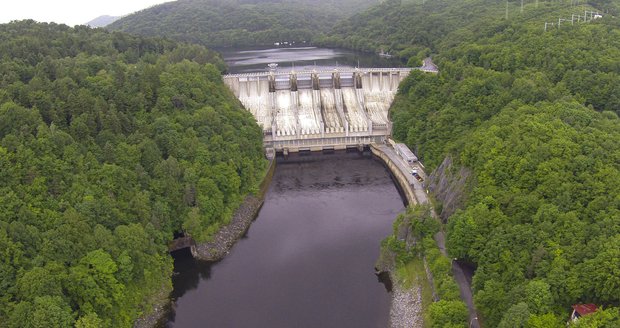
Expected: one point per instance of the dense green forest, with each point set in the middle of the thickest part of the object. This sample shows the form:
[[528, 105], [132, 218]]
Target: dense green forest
[[534, 116], [109, 144], [415, 28], [225, 23]]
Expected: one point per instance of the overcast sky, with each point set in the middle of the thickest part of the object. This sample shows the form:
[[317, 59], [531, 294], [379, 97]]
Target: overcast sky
[[70, 12]]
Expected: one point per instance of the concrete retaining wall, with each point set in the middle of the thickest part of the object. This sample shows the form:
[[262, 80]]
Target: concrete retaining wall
[[398, 174]]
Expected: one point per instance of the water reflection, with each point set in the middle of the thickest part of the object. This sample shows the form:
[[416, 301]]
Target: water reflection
[[302, 58], [309, 257]]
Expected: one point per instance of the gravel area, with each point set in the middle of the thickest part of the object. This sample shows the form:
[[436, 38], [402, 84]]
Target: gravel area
[[406, 303], [406, 308]]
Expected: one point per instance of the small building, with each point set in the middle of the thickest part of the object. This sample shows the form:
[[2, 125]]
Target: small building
[[403, 151], [579, 310]]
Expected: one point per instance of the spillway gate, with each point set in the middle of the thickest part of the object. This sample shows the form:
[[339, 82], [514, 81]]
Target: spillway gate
[[317, 110]]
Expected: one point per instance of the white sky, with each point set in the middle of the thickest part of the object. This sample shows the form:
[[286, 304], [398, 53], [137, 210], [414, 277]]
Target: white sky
[[70, 12]]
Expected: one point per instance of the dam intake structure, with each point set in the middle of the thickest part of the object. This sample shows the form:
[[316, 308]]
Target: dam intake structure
[[319, 110]]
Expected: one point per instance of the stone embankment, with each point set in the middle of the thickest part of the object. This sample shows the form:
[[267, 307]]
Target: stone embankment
[[226, 238], [158, 312], [405, 311], [406, 302]]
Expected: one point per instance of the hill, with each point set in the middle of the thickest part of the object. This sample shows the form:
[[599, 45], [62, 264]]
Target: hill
[[221, 23], [109, 145], [533, 115], [102, 21], [406, 27]]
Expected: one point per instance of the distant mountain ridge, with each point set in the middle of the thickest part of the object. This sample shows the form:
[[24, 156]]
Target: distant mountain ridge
[[219, 23], [103, 21]]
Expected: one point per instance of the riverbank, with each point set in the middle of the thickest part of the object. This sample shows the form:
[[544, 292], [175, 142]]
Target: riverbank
[[406, 307], [411, 186], [214, 250], [407, 284], [225, 239]]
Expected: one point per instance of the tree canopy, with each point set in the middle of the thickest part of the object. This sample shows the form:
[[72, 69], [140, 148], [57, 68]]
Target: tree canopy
[[225, 23], [109, 144], [534, 115]]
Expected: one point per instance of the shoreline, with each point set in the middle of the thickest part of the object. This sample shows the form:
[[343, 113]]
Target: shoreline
[[215, 250], [406, 304]]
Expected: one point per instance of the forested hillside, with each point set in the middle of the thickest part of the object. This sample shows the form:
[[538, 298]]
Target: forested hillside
[[534, 116], [109, 144], [407, 28], [224, 23]]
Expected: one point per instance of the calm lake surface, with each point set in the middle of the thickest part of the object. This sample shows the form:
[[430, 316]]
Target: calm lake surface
[[307, 260], [306, 58]]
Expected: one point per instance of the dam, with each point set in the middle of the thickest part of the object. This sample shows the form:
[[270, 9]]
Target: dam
[[319, 109]]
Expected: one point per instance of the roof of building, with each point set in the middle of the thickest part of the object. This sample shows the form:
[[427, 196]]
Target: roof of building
[[405, 151], [583, 309]]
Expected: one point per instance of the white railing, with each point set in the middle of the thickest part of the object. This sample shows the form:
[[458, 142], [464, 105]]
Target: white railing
[[340, 70]]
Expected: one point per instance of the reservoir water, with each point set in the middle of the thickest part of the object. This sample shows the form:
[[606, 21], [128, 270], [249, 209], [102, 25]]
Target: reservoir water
[[301, 58], [308, 259]]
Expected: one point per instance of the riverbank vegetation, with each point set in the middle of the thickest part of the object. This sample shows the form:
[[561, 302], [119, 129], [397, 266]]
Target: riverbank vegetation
[[415, 251], [534, 115], [109, 144], [240, 23]]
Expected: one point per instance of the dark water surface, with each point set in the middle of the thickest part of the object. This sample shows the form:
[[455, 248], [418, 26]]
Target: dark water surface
[[302, 58], [307, 260]]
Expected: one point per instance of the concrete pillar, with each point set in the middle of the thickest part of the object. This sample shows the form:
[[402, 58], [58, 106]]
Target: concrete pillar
[[272, 82], [272, 107], [315, 81], [380, 81], [357, 76], [295, 104], [293, 81], [336, 80]]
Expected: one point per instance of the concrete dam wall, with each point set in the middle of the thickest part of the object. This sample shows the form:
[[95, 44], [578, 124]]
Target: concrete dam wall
[[315, 110]]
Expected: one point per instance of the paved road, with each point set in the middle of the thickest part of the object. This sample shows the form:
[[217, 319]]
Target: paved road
[[462, 275]]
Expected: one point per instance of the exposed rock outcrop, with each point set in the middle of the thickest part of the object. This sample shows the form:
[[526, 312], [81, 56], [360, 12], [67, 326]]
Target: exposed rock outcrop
[[448, 184]]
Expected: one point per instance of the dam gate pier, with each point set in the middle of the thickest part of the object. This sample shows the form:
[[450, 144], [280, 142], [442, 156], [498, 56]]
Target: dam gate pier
[[319, 110]]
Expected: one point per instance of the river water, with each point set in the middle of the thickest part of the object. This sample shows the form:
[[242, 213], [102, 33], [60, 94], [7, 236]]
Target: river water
[[308, 259]]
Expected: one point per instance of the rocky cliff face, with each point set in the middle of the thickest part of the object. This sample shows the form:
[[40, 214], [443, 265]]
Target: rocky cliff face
[[448, 183]]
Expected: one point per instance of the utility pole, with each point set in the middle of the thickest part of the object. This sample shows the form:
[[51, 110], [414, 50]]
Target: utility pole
[[548, 24], [506, 9], [522, 6], [560, 20]]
